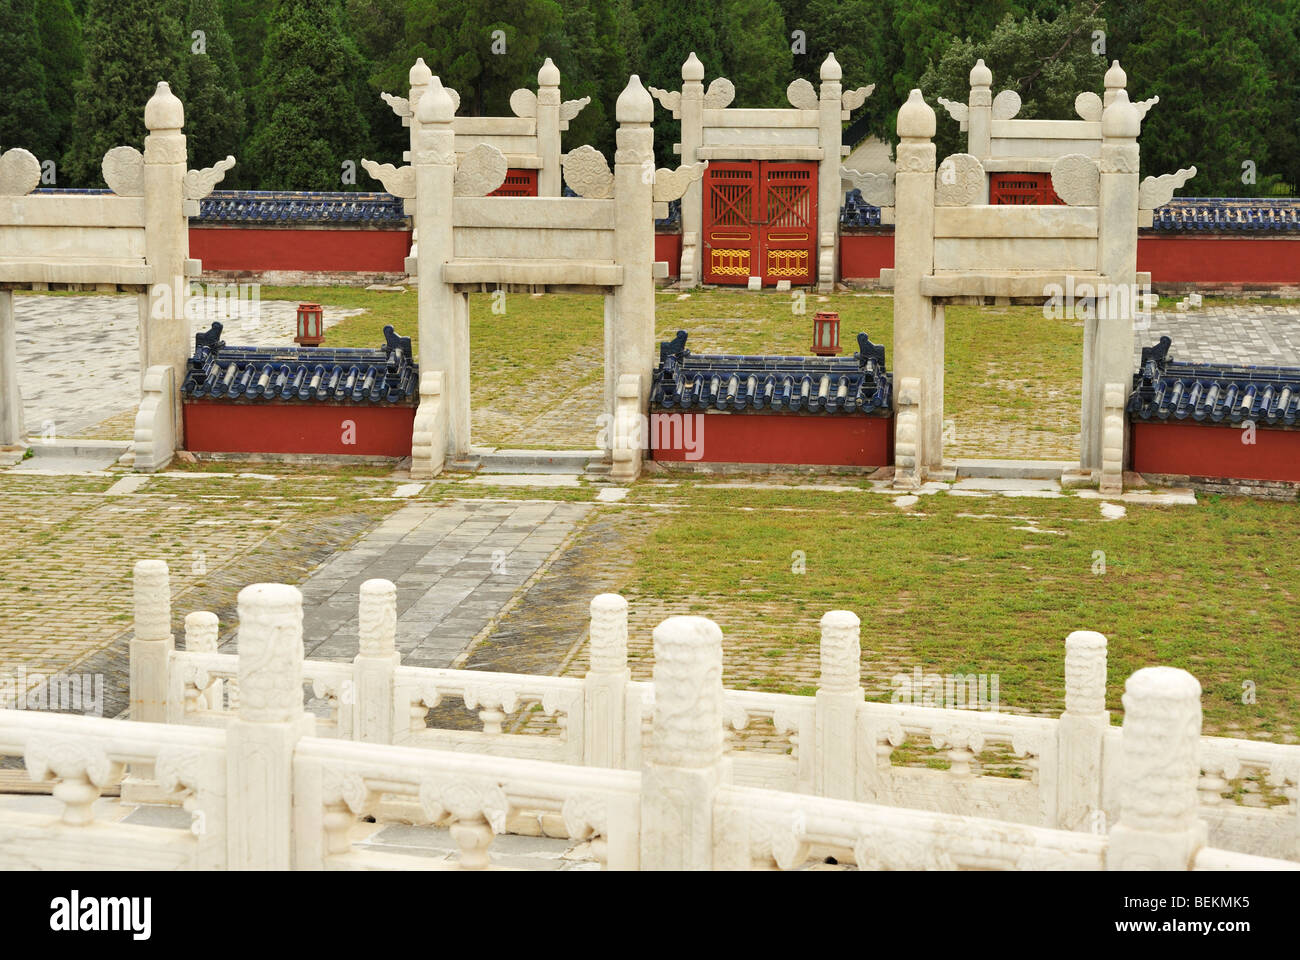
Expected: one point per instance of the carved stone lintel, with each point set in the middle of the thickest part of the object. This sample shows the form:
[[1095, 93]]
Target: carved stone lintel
[[20, 172], [1077, 180], [123, 170], [672, 184], [480, 171], [587, 173], [199, 183], [1157, 191]]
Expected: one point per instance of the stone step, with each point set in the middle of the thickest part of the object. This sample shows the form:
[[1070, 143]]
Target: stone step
[[537, 461], [1013, 469]]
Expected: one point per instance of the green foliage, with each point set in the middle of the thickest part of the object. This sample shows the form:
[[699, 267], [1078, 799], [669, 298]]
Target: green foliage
[[1215, 88], [1048, 63], [309, 118], [58, 30], [214, 106], [24, 113], [129, 45]]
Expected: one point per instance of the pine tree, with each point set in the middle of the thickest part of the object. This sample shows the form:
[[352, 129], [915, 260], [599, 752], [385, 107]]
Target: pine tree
[[593, 63], [310, 125], [59, 30], [24, 114], [214, 106], [130, 45]]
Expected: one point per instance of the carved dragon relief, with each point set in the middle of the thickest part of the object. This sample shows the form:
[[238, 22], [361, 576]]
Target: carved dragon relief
[[1157, 191], [399, 181], [199, 183]]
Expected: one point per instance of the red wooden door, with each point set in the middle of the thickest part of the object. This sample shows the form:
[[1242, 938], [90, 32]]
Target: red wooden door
[[788, 237], [732, 209], [760, 219], [1023, 188], [518, 183]]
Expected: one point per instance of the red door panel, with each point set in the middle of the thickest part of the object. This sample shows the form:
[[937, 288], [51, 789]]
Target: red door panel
[[731, 215], [1023, 188], [788, 237], [518, 183]]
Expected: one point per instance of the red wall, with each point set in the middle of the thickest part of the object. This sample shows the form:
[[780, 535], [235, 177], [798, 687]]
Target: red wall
[[668, 247], [826, 440], [380, 431], [1186, 258], [1198, 450], [266, 248], [1189, 258]]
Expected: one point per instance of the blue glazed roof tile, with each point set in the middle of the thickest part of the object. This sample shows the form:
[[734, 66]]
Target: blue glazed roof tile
[[301, 374], [1228, 213], [1164, 391], [812, 385], [273, 207]]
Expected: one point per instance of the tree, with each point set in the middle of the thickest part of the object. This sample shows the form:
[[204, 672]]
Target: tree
[[59, 30], [214, 106], [24, 113], [1048, 63], [130, 45], [593, 62], [483, 51], [1215, 92], [309, 120]]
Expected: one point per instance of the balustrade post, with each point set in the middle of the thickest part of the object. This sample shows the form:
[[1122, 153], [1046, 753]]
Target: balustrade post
[[838, 696], [373, 668], [201, 631], [681, 776], [150, 651], [1081, 733], [605, 685], [260, 741], [1158, 828]]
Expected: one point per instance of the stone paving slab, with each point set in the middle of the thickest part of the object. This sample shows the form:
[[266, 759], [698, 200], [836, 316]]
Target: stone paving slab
[[456, 565], [1249, 333], [92, 344]]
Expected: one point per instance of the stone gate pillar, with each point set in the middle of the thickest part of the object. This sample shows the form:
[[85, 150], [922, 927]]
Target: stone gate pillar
[[1108, 338], [548, 129], [1081, 732], [979, 117], [632, 345], [919, 403], [165, 330], [692, 118], [444, 327], [11, 398], [829, 194]]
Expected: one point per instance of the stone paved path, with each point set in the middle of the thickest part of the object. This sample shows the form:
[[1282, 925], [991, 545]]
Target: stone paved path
[[1249, 333], [456, 566], [79, 357]]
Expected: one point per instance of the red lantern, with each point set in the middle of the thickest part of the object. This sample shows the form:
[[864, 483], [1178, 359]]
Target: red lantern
[[311, 325], [826, 333]]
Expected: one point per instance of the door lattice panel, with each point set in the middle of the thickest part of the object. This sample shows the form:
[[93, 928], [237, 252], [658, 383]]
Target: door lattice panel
[[760, 216]]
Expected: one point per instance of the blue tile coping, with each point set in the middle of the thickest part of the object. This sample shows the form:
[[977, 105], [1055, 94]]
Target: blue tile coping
[[1165, 390], [859, 384], [353, 377]]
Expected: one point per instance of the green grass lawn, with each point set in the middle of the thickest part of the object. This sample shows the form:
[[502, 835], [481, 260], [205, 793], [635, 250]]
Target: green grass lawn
[[964, 587]]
